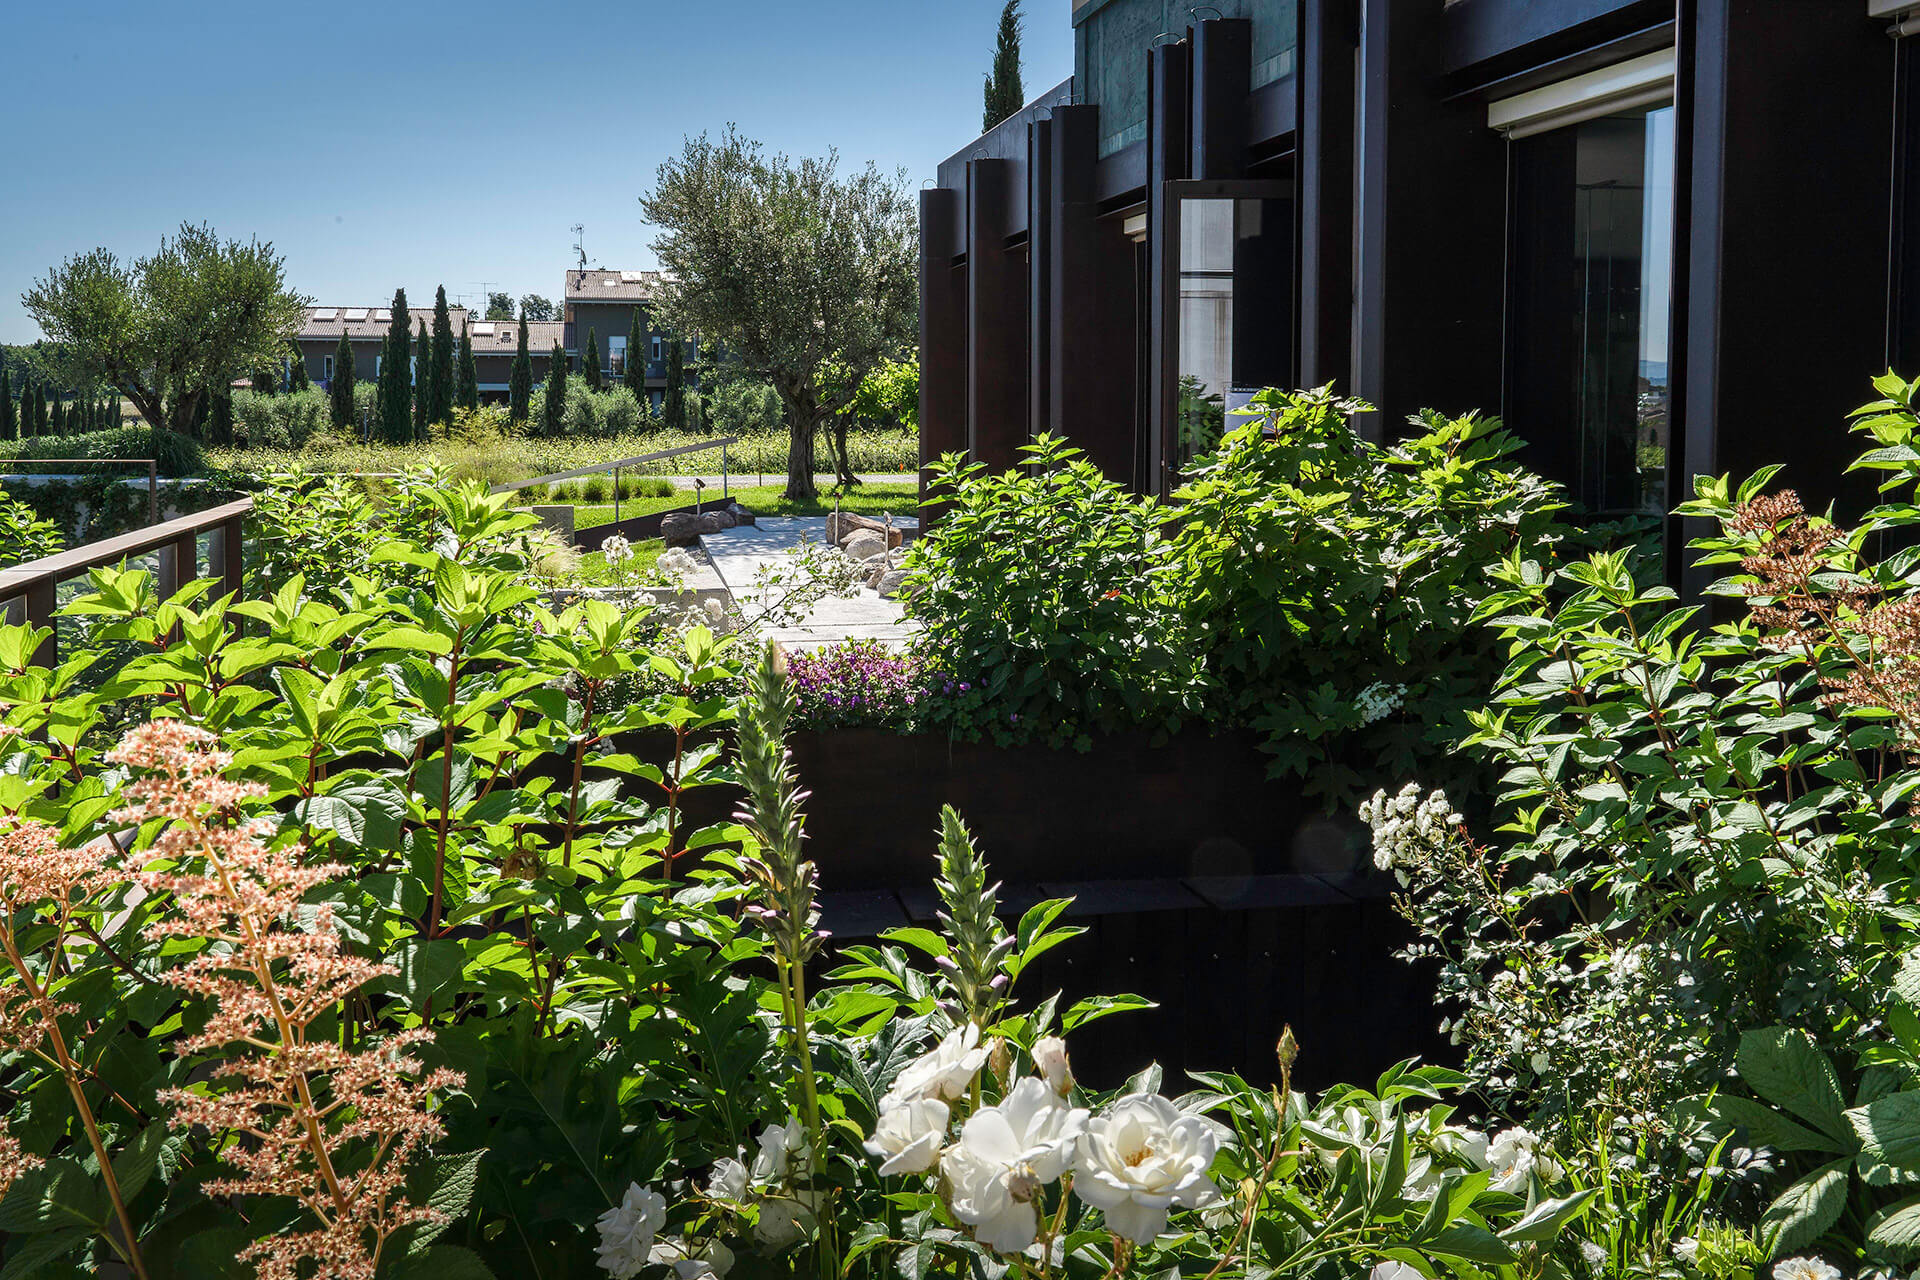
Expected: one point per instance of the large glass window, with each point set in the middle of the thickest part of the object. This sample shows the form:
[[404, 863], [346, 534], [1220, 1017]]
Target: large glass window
[[1592, 277], [617, 354], [1235, 302]]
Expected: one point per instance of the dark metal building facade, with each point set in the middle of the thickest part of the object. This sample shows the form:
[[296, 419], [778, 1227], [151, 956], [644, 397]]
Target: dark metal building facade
[[1660, 239]]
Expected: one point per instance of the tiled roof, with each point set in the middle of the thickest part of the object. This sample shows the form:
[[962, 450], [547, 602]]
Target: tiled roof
[[502, 337], [596, 285], [368, 322]]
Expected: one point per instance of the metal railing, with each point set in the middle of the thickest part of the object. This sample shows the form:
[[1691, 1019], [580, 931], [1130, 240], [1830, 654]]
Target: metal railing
[[29, 592], [718, 442], [153, 475]]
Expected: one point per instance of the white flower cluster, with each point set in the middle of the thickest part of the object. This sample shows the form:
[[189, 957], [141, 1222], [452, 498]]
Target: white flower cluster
[[616, 550], [1378, 701], [676, 564], [1805, 1269], [1406, 823], [1134, 1162]]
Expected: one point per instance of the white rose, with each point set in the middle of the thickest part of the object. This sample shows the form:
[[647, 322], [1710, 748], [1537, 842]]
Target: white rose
[[781, 1146], [1465, 1144], [729, 1181], [907, 1139], [627, 1229], [1004, 1156], [1514, 1157], [784, 1220], [1805, 1269], [1140, 1159], [946, 1072], [1687, 1249], [1050, 1060], [1391, 1270], [693, 1261]]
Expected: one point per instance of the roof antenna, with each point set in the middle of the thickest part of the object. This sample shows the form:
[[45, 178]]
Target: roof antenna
[[579, 247]]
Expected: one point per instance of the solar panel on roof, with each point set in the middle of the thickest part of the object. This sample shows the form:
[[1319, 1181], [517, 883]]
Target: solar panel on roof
[[323, 313], [354, 313], [383, 315], [632, 277], [483, 331]]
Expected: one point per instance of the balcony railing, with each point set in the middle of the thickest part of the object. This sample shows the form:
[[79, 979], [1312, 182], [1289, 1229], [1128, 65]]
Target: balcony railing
[[29, 592]]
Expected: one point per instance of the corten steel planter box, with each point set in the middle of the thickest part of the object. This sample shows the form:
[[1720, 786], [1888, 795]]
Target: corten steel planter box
[[1196, 804]]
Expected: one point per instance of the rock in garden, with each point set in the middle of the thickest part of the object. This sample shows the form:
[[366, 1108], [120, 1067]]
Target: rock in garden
[[681, 529], [743, 518], [866, 544], [715, 521], [891, 583]]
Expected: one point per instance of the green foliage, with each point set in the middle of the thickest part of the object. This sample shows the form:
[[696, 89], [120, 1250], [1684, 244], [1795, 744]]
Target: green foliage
[[520, 382], [674, 403], [173, 454], [831, 282], [590, 361], [602, 413], [535, 307], [439, 374], [890, 394], [423, 387], [1004, 93], [341, 390], [185, 320], [739, 406], [297, 379], [285, 421], [396, 387], [9, 412], [553, 409], [633, 375], [467, 383], [23, 534], [499, 306]]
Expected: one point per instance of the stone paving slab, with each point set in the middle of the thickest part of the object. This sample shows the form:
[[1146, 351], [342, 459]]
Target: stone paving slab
[[739, 554]]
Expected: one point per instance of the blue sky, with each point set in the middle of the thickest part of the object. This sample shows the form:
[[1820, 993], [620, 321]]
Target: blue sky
[[412, 144]]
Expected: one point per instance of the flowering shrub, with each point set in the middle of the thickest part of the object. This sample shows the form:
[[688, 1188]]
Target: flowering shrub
[[856, 684]]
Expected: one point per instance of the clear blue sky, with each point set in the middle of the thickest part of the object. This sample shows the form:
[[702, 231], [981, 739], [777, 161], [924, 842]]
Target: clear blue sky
[[381, 145]]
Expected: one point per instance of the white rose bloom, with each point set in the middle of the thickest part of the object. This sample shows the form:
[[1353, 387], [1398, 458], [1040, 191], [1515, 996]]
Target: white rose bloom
[[781, 1147], [1140, 1159], [1391, 1270], [784, 1220], [1004, 1156], [627, 1230], [693, 1261], [1687, 1249], [1423, 1179], [1465, 1144], [946, 1072], [1805, 1269], [1514, 1157], [907, 1139], [729, 1181], [1050, 1060]]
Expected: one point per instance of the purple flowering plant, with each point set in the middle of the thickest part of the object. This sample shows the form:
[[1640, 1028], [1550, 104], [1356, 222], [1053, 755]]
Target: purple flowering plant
[[859, 684]]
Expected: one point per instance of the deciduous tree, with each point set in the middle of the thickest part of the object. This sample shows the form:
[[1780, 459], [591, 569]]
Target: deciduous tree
[[789, 266], [189, 317], [499, 306], [535, 307]]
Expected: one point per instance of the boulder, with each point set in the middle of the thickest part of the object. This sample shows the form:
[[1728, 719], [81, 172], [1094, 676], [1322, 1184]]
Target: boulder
[[891, 583], [742, 517], [715, 521], [842, 525], [681, 529], [865, 544]]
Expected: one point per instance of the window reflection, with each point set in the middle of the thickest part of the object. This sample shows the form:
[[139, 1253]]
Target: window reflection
[[1593, 272], [1236, 294]]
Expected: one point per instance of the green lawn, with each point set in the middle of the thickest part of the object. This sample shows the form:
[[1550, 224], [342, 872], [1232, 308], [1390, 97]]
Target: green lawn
[[867, 500]]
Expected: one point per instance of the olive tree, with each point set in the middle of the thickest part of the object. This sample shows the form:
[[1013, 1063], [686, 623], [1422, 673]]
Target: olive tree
[[170, 329], [808, 279]]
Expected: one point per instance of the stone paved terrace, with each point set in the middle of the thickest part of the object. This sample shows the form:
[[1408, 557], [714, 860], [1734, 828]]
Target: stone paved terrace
[[739, 554]]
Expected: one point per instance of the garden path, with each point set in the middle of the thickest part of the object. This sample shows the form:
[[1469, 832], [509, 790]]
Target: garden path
[[739, 554]]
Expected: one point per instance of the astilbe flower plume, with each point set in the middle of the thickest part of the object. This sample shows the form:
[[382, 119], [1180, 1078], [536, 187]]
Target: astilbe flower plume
[[327, 1126]]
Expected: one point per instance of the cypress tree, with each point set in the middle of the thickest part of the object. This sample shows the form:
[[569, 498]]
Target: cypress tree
[[9, 420], [520, 385], [553, 410], [676, 399], [297, 379], [341, 388], [590, 363], [42, 423], [1004, 93], [264, 382], [59, 416], [467, 385], [110, 411], [635, 374], [439, 379], [396, 387], [422, 383]]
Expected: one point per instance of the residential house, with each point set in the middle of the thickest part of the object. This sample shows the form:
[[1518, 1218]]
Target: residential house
[[602, 302], [1603, 220]]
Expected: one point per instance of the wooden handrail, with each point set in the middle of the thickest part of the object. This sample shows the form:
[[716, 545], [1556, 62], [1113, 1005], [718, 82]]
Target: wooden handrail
[[28, 592]]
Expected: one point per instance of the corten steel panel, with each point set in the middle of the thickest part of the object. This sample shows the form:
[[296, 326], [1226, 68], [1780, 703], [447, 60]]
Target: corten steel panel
[[1432, 225], [1039, 224], [943, 331], [1093, 309], [996, 322], [1169, 157], [1329, 37], [1221, 69], [1787, 262], [1500, 37]]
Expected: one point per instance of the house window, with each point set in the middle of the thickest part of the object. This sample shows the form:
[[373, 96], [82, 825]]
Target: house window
[[617, 354], [326, 368], [656, 348], [1590, 308]]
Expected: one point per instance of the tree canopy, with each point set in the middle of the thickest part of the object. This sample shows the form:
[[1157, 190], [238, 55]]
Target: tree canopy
[[535, 307], [499, 306], [789, 266], [172, 328], [1004, 93]]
